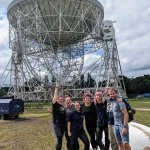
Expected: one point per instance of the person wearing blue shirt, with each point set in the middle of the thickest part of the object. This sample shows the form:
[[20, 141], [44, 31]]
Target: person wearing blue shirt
[[120, 114], [113, 142]]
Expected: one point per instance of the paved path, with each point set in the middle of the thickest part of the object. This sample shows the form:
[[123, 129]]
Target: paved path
[[139, 137], [141, 102], [144, 109]]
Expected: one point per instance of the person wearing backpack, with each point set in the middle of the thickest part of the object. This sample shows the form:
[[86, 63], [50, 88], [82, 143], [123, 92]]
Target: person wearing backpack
[[120, 114], [112, 139]]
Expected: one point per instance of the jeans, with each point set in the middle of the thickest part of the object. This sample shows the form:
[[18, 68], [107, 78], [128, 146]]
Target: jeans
[[119, 136], [59, 143], [82, 135], [99, 136], [59, 131]]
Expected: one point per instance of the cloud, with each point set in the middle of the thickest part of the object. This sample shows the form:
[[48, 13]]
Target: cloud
[[132, 34], [4, 33], [4, 3], [5, 52]]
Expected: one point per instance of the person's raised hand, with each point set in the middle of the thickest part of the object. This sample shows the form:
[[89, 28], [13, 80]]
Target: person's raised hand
[[57, 85], [120, 99]]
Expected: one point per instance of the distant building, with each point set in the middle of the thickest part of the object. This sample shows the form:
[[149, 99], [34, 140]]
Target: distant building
[[146, 95]]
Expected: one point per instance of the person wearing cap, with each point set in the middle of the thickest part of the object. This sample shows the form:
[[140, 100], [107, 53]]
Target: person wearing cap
[[102, 121], [88, 108], [59, 118], [76, 128]]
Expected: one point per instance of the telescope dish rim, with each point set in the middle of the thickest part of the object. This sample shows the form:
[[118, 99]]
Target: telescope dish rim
[[15, 2]]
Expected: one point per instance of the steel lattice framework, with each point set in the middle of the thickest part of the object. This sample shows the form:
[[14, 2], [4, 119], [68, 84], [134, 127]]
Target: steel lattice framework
[[49, 41]]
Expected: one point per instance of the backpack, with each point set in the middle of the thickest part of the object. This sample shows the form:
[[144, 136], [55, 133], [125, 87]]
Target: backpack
[[131, 111]]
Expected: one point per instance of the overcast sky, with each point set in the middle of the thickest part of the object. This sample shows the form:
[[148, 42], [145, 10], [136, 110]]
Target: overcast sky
[[132, 34]]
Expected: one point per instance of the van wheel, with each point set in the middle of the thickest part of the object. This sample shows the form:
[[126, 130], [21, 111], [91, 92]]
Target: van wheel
[[16, 116], [6, 116], [2, 117]]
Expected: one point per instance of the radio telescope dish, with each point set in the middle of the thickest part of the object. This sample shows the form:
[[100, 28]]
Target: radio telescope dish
[[57, 23], [52, 35], [49, 40]]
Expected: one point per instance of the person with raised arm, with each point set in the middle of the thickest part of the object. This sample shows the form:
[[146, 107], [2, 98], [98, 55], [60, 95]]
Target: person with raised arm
[[59, 117]]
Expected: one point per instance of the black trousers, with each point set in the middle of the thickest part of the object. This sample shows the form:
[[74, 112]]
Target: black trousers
[[59, 132], [99, 136], [92, 133], [68, 139], [82, 135]]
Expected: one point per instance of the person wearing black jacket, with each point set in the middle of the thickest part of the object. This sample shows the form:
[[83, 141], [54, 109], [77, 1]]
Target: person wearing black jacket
[[89, 111], [59, 117], [102, 121], [76, 129]]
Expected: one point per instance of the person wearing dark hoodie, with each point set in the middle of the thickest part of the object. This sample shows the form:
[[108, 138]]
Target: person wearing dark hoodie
[[102, 121]]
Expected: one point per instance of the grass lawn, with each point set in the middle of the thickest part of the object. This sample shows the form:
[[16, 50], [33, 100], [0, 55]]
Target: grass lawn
[[139, 100], [135, 103], [33, 130], [140, 103], [142, 117]]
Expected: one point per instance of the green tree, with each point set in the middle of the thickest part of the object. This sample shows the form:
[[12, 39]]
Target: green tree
[[82, 83], [53, 79], [3, 92], [90, 81]]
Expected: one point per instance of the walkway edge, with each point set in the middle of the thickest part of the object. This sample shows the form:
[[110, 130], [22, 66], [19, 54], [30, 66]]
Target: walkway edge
[[140, 127]]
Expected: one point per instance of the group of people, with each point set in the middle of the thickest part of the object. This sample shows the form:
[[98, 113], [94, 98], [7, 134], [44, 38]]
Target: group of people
[[102, 115]]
